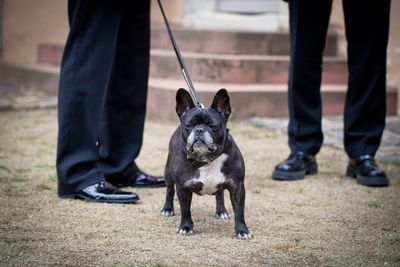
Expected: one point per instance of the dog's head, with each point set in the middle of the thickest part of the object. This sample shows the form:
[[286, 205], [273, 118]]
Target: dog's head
[[204, 130]]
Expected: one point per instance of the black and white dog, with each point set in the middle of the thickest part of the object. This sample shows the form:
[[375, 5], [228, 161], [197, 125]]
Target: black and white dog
[[204, 159]]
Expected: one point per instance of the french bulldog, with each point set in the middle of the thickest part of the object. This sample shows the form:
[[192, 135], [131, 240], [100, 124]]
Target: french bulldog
[[204, 159]]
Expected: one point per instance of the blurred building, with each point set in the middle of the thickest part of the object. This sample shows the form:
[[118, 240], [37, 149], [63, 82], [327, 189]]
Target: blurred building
[[241, 45]]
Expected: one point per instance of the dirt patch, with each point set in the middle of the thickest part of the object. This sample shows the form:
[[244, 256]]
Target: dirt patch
[[325, 219]]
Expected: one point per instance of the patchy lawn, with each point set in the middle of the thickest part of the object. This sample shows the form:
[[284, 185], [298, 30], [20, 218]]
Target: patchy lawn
[[323, 220]]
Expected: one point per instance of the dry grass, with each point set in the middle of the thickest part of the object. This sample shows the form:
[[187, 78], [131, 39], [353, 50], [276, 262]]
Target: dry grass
[[325, 220]]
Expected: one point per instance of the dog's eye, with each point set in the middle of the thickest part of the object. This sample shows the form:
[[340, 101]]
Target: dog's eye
[[213, 126]]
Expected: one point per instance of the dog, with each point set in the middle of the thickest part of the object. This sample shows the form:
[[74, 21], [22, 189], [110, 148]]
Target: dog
[[204, 159]]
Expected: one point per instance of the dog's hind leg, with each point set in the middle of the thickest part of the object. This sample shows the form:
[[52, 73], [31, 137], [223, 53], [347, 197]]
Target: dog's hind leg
[[220, 211]]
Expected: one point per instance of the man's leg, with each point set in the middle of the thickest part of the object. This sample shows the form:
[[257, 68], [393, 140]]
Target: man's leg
[[367, 30], [122, 122], [85, 74], [308, 26]]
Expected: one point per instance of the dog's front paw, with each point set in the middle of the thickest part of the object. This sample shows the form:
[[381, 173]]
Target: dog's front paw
[[244, 234], [167, 213], [185, 230], [223, 215]]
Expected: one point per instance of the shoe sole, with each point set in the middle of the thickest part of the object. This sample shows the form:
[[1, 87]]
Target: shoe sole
[[291, 176], [118, 201], [366, 180]]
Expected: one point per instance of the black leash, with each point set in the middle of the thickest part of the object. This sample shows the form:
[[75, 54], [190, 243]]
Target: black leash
[[181, 62]]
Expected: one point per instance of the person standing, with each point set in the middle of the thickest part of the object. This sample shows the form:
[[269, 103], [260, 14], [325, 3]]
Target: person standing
[[367, 30], [102, 100]]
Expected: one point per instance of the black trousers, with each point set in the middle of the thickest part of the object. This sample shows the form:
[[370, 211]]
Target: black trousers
[[367, 28], [102, 91]]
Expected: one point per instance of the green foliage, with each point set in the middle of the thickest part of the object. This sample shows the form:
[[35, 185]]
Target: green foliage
[[296, 239], [43, 186], [374, 204], [256, 190], [298, 190]]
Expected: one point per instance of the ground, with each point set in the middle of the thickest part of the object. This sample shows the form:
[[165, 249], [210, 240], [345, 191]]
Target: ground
[[323, 220]]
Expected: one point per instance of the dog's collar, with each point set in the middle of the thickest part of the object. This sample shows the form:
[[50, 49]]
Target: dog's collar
[[197, 164]]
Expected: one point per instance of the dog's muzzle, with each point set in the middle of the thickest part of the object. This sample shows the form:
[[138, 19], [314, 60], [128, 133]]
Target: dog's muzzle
[[200, 142]]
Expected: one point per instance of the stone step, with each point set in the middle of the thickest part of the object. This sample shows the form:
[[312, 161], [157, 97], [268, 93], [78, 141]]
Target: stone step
[[249, 100], [50, 54], [230, 42], [219, 67], [38, 77], [268, 100], [207, 41], [225, 68]]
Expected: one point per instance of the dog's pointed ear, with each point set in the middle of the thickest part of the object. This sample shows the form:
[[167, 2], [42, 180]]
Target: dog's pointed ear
[[221, 103], [184, 102]]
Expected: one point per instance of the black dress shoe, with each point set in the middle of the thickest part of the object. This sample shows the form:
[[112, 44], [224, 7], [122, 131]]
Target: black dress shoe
[[106, 193], [295, 167], [148, 181], [366, 171], [142, 180]]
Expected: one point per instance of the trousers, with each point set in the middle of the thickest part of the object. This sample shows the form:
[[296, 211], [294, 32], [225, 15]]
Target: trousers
[[367, 30], [102, 91]]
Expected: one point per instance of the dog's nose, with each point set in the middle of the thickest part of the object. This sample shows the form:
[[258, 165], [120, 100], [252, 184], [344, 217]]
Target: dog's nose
[[199, 131]]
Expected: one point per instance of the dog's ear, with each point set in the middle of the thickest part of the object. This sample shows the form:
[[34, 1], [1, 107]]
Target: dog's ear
[[221, 103], [184, 102]]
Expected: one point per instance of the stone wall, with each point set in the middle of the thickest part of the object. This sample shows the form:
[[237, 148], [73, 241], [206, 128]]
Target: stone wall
[[394, 49], [28, 23], [1, 29]]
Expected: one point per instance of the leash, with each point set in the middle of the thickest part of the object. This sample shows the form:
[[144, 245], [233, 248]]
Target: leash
[[184, 71]]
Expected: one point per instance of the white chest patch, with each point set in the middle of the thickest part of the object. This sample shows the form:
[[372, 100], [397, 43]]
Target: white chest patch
[[211, 175]]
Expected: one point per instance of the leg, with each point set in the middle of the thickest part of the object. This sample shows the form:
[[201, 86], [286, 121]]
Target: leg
[[168, 209], [308, 27], [85, 72], [367, 29], [122, 122], [185, 201], [238, 196], [220, 211]]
